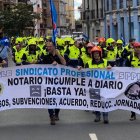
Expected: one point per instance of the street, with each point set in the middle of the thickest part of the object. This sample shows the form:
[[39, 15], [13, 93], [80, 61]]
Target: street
[[33, 124], [100, 42]]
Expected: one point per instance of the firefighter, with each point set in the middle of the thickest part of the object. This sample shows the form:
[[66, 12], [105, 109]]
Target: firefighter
[[85, 57], [111, 51], [98, 62], [72, 54], [31, 55], [119, 60]]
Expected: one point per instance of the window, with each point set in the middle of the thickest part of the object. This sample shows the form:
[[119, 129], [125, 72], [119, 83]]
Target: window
[[138, 2], [84, 4], [139, 18], [114, 4], [107, 8], [97, 8], [129, 3], [121, 4], [1, 5]]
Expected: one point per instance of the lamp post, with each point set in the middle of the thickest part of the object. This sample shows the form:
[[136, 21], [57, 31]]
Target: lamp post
[[105, 23], [87, 16], [129, 12]]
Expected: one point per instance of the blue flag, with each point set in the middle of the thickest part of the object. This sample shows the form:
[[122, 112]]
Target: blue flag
[[5, 42], [54, 21], [86, 38], [122, 38]]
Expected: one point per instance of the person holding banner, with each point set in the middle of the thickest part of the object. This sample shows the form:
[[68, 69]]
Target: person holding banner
[[133, 60], [53, 57], [98, 62]]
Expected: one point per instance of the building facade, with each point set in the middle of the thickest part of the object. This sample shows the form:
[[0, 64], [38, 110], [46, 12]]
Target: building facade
[[117, 19], [43, 26], [40, 25], [70, 19], [61, 17], [1, 4], [92, 16], [6, 4]]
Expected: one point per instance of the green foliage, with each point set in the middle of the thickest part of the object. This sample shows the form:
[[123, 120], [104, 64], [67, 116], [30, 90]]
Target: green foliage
[[16, 19]]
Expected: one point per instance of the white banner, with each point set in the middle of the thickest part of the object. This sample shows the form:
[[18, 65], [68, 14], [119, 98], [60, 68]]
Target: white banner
[[47, 86]]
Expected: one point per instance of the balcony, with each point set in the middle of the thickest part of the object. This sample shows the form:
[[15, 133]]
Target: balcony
[[92, 15]]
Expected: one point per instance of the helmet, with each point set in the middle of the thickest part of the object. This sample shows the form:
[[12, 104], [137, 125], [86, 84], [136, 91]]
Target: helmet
[[90, 45], [101, 39], [119, 41], [72, 42], [60, 42], [136, 44], [19, 40], [48, 37], [41, 40], [31, 42], [68, 39], [96, 49], [109, 41]]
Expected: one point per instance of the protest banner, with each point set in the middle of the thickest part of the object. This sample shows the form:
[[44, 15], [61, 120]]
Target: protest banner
[[48, 86]]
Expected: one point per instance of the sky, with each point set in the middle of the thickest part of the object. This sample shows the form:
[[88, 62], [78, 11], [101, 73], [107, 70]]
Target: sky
[[77, 3]]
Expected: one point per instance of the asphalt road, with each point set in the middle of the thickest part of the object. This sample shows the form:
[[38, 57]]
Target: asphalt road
[[33, 124]]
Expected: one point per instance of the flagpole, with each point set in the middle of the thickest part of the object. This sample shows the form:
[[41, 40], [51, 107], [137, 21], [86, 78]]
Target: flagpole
[[52, 22]]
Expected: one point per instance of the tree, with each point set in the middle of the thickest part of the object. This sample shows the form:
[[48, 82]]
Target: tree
[[15, 20]]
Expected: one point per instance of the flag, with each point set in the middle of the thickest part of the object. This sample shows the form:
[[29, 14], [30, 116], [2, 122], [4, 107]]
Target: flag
[[54, 21], [122, 38], [86, 38], [4, 42]]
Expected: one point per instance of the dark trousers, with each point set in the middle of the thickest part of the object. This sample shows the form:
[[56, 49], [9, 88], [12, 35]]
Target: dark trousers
[[133, 114], [53, 112], [98, 115], [112, 63]]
